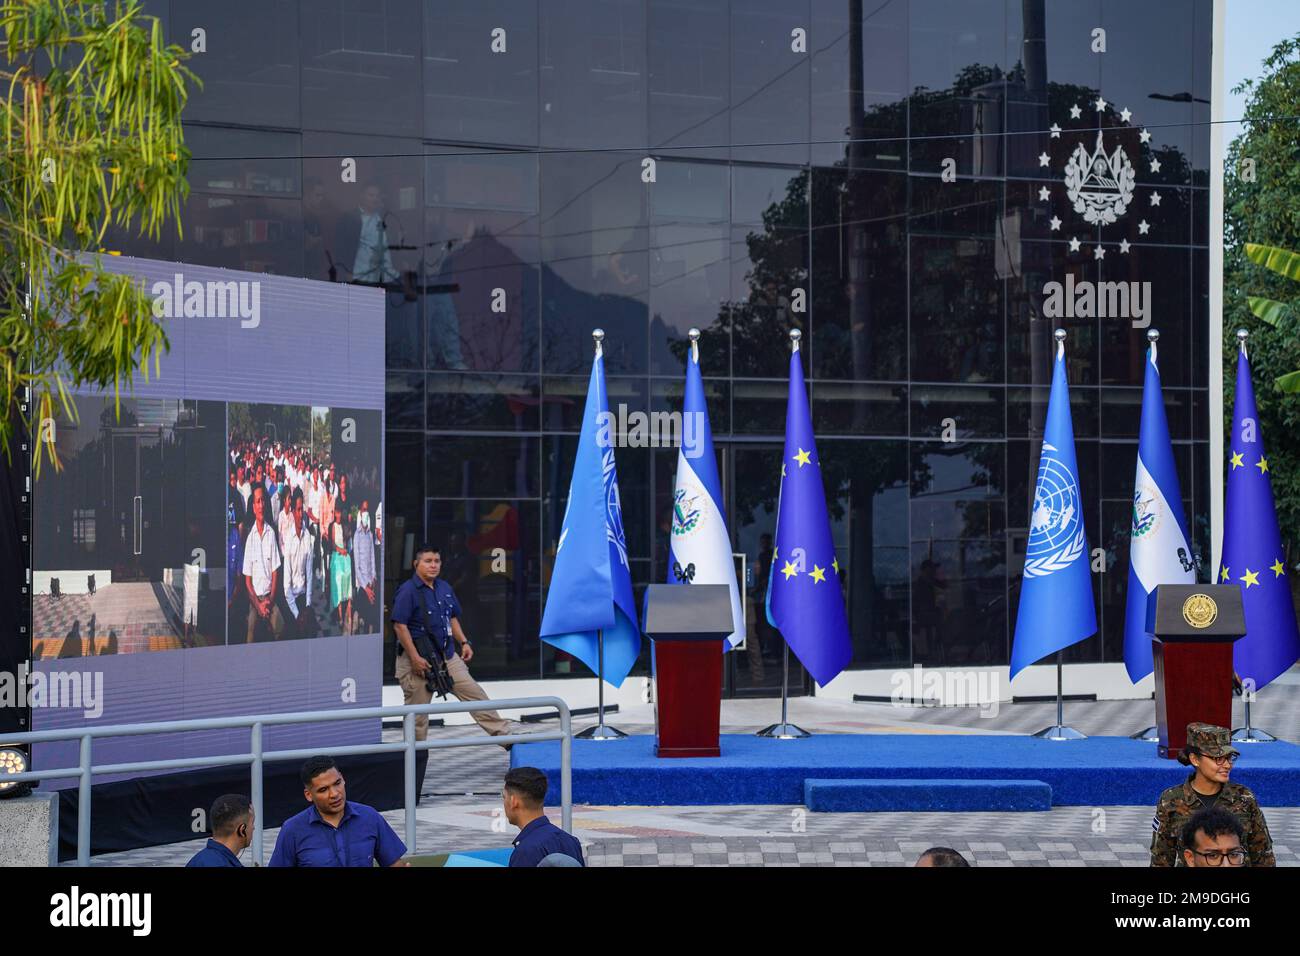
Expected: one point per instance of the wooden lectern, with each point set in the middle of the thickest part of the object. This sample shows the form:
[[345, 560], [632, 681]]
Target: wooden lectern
[[1193, 627], [686, 624]]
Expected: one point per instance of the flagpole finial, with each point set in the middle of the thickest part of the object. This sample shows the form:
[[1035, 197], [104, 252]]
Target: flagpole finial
[[795, 336], [1059, 335], [1242, 335], [1153, 336], [694, 336], [599, 336]]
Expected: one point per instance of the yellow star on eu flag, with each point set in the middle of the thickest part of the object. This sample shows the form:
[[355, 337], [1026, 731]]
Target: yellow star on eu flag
[[818, 574], [1262, 464], [789, 570], [1250, 577], [802, 458], [1236, 460], [1223, 576], [1277, 568]]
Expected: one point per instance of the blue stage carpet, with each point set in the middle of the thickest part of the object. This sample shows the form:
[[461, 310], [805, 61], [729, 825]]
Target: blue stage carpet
[[1099, 771]]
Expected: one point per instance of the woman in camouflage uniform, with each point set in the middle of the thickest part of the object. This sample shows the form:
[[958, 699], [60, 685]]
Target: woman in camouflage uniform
[[1210, 752]]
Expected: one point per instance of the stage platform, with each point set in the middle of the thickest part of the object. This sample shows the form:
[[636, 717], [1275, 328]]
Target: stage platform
[[1099, 771]]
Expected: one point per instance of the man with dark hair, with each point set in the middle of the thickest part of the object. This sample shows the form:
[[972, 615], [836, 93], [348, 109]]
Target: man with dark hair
[[295, 597], [941, 856], [426, 607], [1210, 752], [523, 796], [334, 831], [231, 818], [1213, 837]]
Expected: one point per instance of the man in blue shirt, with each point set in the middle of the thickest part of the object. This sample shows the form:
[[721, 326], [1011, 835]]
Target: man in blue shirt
[[522, 796], [231, 818], [426, 605], [333, 831]]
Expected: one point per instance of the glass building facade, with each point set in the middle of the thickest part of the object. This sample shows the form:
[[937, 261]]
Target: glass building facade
[[890, 177]]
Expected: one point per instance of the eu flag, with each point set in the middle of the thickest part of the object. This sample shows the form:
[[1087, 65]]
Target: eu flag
[[1160, 549], [805, 602], [1056, 605], [591, 586], [1252, 548]]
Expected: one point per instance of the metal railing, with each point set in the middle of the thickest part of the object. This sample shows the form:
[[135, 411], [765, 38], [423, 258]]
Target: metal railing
[[257, 757]]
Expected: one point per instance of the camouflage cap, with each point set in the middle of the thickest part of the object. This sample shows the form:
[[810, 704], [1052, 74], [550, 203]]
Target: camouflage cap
[[1209, 740]]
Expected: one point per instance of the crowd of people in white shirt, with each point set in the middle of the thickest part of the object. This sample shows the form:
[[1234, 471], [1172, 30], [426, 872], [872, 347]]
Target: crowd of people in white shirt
[[297, 529]]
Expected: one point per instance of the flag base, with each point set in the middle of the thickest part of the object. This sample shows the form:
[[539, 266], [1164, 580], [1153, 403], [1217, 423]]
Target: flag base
[[1151, 735], [783, 731], [1252, 735], [1060, 732], [600, 732]]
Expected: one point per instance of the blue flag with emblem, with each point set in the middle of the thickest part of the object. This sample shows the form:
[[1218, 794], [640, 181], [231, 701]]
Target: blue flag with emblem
[[1252, 547], [1160, 550], [700, 548], [591, 586], [1056, 603], [804, 600]]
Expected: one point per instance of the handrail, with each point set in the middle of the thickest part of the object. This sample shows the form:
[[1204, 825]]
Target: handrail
[[257, 756]]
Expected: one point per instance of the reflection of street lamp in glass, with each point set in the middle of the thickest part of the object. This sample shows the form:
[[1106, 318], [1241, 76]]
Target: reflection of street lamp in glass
[[1183, 97]]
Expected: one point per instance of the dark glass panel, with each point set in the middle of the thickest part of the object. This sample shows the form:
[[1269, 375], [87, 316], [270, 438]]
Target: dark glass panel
[[484, 402], [496, 467]]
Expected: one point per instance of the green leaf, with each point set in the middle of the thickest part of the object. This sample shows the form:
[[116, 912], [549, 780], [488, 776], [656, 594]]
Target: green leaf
[[1281, 261], [1270, 310], [1290, 382]]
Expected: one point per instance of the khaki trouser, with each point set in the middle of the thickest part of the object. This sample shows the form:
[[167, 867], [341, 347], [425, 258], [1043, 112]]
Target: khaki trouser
[[415, 691]]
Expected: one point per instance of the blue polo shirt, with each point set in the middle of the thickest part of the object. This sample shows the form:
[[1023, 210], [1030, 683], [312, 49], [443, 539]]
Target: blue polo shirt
[[214, 854], [540, 839], [361, 838], [430, 611]]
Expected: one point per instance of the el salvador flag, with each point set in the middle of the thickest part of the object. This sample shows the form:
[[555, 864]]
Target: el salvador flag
[[1056, 604], [1252, 547], [1159, 545], [591, 586], [804, 600], [700, 549]]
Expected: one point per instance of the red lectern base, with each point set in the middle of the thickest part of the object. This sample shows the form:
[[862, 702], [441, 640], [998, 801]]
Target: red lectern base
[[1193, 683], [688, 697]]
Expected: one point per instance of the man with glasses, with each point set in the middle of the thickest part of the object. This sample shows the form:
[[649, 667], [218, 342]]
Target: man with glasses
[[1210, 753], [1213, 837]]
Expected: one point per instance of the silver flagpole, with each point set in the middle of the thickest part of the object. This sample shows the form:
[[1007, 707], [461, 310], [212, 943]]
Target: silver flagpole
[[785, 730], [1058, 731], [600, 731]]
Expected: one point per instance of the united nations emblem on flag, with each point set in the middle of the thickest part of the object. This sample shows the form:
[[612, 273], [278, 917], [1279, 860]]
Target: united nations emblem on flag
[[1056, 535], [613, 507], [1200, 611]]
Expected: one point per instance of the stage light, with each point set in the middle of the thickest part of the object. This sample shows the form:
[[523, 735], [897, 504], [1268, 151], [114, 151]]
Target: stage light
[[13, 761]]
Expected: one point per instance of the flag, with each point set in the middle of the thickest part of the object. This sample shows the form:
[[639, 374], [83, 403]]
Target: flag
[[1160, 550], [591, 585], [1252, 548], [805, 602], [700, 548], [1056, 604]]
